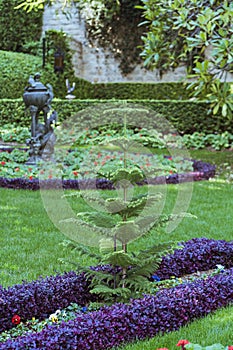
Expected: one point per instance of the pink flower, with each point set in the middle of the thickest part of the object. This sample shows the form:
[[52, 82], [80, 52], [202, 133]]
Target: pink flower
[[16, 169], [230, 347], [163, 349]]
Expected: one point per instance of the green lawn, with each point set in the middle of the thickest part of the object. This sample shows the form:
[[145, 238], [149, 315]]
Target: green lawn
[[30, 242]]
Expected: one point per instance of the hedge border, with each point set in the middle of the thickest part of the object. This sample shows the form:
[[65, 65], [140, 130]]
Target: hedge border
[[186, 116]]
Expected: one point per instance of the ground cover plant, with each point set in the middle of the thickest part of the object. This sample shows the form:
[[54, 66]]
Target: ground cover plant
[[79, 165], [93, 136], [102, 327]]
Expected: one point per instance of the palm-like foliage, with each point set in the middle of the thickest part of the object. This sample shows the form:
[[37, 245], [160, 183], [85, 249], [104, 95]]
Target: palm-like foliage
[[119, 220]]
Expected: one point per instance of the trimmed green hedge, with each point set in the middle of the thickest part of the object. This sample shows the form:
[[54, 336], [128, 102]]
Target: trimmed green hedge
[[139, 91], [19, 30], [186, 116], [17, 67]]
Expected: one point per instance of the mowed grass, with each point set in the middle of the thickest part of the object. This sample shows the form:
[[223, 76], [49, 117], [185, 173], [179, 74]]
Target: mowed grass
[[30, 243]]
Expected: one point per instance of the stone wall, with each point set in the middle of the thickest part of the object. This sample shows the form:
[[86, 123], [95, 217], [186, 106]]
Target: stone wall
[[92, 62]]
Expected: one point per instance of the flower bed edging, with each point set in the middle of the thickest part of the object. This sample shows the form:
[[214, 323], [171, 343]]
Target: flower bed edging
[[142, 318], [42, 297], [201, 171], [198, 254]]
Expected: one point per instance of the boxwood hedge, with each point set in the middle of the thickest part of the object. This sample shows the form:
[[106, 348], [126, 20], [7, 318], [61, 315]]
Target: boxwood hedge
[[17, 27], [185, 115]]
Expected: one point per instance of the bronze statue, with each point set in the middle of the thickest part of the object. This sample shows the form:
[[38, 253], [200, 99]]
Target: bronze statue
[[38, 97]]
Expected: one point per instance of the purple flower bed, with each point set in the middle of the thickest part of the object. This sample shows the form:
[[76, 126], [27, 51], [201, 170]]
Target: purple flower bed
[[198, 254], [201, 171], [120, 323], [42, 297]]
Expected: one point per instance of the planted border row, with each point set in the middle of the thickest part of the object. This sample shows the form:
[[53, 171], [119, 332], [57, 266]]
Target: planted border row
[[198, 254], [201, 171], [42, 297], [142, 318]]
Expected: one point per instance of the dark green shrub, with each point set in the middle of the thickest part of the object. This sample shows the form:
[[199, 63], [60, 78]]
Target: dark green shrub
[[15, 70], [139, 91], [17, 67], [186, 116], [17, 27]]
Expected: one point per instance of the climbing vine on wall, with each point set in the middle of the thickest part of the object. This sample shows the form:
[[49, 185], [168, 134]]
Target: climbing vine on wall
[[112, 24], [115, 25]]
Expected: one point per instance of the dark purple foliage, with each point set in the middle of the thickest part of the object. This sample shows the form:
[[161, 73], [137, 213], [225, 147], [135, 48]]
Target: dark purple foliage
[[42, 297], [207, 169], [198, 254], [120, 323]]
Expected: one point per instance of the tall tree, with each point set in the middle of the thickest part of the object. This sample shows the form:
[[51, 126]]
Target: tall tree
[[199, 34]]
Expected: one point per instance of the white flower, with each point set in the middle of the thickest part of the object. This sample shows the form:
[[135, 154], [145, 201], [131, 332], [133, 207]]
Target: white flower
[[220, 267], [57, 312]]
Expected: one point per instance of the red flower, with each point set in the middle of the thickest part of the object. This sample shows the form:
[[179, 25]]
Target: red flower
[[230, 347], [15, 319], [50, 176], [30, 177], [3, 163], [30, 169], [182, 343], [163, 349], [75, 173], [170, 172]]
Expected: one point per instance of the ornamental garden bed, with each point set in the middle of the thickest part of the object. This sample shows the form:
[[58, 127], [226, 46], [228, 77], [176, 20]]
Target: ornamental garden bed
[[174, 299], [77, 170], [167, 310]]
